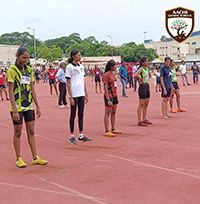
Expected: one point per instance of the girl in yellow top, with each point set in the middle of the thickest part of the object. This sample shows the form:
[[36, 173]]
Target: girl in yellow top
[[22, 94]]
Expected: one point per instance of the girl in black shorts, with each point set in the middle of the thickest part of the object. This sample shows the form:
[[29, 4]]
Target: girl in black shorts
[[144, 92], [97, 78], [22, 95], [110, 98], [175, 91]]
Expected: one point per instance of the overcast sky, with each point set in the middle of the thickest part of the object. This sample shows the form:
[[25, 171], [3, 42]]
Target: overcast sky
[[125, 20]]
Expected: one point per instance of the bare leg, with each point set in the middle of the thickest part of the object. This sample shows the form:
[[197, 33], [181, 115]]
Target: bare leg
[[108, 111], [51, 90], [16, 139], [31, 137], [112, 118], [178, 98], [145, 109], [140, 109], [56, 89], [171, 99], [100, 88]]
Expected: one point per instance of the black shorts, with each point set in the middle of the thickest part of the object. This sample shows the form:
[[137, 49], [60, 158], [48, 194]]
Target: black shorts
[[144, 91], [158, 80], [27, 115], [175, 85], [97, 79], [114, 100], [168, 93], [52, 81], [2, 86]]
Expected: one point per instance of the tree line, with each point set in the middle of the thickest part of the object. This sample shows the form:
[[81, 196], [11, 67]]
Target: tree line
[[56, 49]]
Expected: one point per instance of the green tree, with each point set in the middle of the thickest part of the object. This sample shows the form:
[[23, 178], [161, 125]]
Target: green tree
[[21, 39], [50, 54]]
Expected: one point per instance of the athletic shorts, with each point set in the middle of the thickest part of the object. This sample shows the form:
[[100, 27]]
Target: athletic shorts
[[28, 116], [175, 85], [144, 91], [114, 100], [168, 93], [2, 86], [52, 81], [158, 80], [97, 79]]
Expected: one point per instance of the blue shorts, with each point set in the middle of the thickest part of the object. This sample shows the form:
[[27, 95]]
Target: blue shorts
[[168, 93], [52, 81]]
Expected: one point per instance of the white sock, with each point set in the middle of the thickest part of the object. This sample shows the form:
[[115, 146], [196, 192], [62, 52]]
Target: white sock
[[81, 136]]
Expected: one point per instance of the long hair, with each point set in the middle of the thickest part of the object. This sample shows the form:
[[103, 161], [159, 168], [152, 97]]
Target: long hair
[[142, 60], [109, 65], [72, 54], [20, 51]]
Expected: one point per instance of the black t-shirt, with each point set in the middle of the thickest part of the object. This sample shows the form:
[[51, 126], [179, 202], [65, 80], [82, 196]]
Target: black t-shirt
[[195, 68]]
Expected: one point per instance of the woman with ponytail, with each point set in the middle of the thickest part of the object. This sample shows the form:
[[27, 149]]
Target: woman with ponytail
[[78, 96], [110, 98], [22, 95], [144, 92]]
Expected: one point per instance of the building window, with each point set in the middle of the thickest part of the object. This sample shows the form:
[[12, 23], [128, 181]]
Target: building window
[[178, 48], [194, 43]]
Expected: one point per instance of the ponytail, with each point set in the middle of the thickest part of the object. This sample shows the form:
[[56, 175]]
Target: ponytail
[[72, 54], [142, 60], [109, 65]]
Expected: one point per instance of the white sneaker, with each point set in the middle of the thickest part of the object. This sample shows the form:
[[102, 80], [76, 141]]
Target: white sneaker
[[61, 106]]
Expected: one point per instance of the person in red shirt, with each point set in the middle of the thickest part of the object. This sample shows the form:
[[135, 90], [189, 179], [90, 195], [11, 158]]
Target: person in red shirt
[[91, 74], [3, 85], [110, 98], [130, 79], [52, 80], [97, 77]]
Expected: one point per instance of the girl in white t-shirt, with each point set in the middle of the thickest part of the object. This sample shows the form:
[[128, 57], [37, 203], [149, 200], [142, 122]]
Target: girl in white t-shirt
[[78, 96]]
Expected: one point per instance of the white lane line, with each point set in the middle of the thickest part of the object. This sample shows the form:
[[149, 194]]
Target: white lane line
[[34, 188], [43, 137], [103, 160], [50, 139], [70, 157], [4, 125], [72, 191], [155, 166], [187, 170]]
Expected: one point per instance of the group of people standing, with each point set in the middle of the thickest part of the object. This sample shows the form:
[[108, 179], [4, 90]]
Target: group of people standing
[[71, 79]]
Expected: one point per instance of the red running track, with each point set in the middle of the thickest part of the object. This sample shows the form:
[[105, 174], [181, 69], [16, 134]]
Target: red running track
[[145, 165]]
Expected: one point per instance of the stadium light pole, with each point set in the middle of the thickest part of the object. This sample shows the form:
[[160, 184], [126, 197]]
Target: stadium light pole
[[111, 43], [145, 35], [34, 42]]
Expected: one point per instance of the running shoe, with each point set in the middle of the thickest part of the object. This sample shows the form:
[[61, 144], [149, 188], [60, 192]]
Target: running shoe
[[147, 122], [61, 106], [181, 110], [73, 141], [173, 111], [20, 163], [84, 139], [39, 161], [142, 124], [116, 132], [109, 134]]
